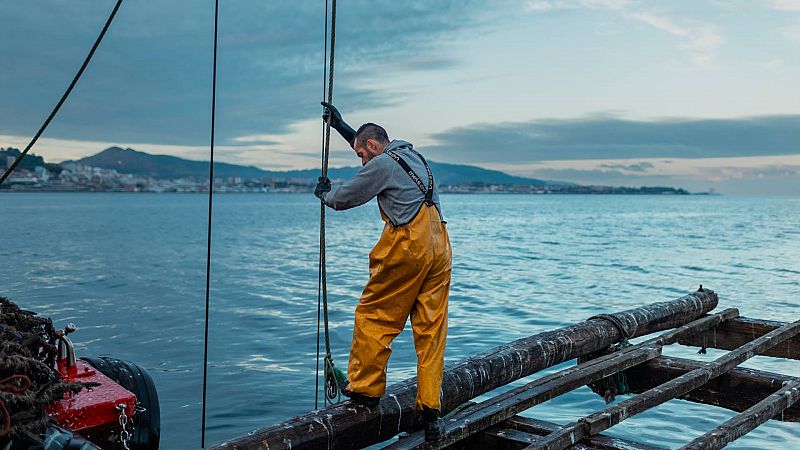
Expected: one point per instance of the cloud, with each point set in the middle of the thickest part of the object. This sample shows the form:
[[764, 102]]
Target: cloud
[[150, 80], [605, 177], [263, 139], [700, 39], [638, 167], [743, 173], [547, 6], [767, 180], [615, 138], [784, 5], [792, 33]]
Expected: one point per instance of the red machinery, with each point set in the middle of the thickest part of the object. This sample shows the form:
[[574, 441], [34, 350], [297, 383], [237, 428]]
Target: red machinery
[[121, 408]]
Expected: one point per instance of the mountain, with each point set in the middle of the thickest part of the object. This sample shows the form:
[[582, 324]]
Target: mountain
[[30, 162], [163, 166], [135, 162]]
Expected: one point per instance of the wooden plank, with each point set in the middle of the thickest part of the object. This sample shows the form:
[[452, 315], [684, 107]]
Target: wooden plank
[[541, 428], [507, 438], [694, 327], [737, 390], [737, 332], [519, 432], [347, 425], [485, 414], [608, 417], [747, 421]]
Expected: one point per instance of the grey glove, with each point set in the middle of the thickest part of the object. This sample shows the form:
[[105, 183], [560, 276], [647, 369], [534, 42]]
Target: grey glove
[[338, 124]]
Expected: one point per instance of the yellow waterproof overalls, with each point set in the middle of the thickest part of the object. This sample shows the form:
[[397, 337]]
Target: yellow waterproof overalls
[[409, 276]]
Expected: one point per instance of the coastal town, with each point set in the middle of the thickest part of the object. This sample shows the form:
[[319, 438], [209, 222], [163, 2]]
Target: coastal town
[[38, 176]]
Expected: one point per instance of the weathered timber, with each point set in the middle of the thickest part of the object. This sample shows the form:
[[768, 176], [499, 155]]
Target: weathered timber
[[518, 432], [734, 333], [487, 413], [608, 417], [508, 439], [736, 390], [747, 421], [542, 428], [347, 425], [693, 328]]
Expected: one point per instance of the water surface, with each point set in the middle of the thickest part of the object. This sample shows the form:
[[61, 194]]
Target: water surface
[[129, 270]]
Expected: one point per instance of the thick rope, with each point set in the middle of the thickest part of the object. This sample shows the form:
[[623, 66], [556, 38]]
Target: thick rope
[[319, 274], [28, 380], [75, 79], [333, 377], [210, 205]]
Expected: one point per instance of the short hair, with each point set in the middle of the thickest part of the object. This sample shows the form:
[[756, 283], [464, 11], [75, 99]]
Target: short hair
[[370, 131]]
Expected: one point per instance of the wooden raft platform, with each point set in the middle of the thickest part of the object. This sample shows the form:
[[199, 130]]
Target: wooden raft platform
[[494, 424]]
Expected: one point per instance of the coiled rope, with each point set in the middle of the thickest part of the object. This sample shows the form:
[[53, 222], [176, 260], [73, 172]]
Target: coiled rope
[[334, 378], [72, 84], [616, 384], [28, 380]]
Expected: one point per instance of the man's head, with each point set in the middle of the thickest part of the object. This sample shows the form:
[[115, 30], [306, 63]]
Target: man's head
[[370, 141]]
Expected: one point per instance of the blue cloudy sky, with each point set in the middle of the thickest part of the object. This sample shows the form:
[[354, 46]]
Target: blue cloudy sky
[[698, 94]]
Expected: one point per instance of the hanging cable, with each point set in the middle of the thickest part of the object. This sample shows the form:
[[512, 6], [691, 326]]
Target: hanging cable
[[324, 125], [210, 205], [334, 378], [75, 79]]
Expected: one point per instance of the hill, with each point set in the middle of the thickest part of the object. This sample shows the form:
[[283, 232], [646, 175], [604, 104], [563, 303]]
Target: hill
[[171, 167], [163, 166], [30, 162]]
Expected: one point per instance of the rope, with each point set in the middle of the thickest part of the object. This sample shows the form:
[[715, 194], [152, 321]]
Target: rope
[[75, 79], [617, 383], [319, 274], [334, 378], [620, 326], [210, 205], [28, 380]]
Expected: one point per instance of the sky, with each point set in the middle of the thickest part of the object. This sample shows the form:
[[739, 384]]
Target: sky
[[688, 93]]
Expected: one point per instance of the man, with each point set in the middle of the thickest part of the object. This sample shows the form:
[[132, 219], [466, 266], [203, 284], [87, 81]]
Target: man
[[409, 266]]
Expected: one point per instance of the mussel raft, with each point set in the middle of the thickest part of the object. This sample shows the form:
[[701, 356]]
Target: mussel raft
[[605, 361]]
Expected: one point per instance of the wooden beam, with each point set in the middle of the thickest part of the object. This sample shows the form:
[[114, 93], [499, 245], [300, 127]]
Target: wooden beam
[[734, 333], [608, 417], [735, 390], [508, 438], [747, 421], [487, 413], [542, 428], [518, 432], [692, 328], [483, 415], [347, 425]]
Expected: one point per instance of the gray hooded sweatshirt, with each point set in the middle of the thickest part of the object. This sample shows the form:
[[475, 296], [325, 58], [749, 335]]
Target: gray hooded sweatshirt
[[398, 195]]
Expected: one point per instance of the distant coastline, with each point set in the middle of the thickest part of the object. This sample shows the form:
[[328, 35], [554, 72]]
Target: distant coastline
[[127, 170], [455, 190]]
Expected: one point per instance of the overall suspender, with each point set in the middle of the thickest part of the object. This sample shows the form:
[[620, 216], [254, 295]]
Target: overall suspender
[[427, 191]]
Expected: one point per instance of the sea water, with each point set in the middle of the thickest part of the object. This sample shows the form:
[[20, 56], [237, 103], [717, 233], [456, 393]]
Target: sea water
[[129, 271]]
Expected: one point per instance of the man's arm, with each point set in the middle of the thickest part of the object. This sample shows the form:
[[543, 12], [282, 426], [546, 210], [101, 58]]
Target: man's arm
[[338, 124], [370, 181]]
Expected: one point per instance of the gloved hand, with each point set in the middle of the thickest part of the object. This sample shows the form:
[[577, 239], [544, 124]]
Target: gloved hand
[[338, 124], [323, 186]]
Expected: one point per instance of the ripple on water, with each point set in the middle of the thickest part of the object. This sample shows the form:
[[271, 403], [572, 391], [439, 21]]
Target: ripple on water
[[129, 271]]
